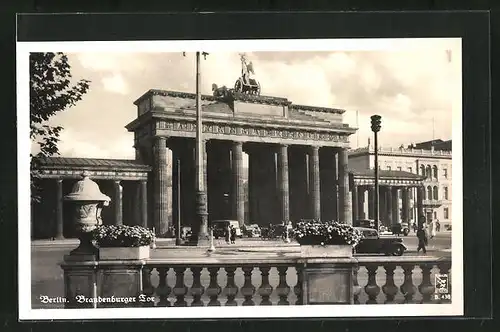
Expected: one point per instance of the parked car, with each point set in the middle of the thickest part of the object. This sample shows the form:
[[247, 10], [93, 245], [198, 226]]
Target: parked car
[[372, 243], [221, 225], [252, 230], [365, 223], [401, 228]]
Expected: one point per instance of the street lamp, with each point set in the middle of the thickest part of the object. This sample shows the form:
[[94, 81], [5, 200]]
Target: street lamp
[[200, 234], [376, 125]]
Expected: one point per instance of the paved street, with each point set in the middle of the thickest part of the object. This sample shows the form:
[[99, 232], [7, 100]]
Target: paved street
[[47, 277]]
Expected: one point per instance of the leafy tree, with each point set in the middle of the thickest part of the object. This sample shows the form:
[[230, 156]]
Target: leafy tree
[[51, 91]]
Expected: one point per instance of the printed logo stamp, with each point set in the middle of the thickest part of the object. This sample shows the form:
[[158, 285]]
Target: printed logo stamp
[[442, 287]]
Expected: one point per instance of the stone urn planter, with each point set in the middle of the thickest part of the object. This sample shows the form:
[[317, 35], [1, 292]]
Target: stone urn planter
[[326, 251], [124, 253], [326, 239], [123, 242]]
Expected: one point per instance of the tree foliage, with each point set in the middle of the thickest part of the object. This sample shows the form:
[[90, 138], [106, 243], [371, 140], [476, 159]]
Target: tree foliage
[[51, 91]]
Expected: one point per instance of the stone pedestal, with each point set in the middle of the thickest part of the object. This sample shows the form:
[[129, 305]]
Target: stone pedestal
[[80, 281], [120, 284], [328, 281]]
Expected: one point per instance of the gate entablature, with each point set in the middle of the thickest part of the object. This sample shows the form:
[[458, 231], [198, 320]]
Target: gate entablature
[[239, 117]]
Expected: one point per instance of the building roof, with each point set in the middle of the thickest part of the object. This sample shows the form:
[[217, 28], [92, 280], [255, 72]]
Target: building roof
[[386, 174], [91, 163]]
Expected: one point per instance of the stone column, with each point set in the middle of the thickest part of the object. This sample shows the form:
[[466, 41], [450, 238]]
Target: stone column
[[117, 204], [395, 206], [420, 204], [345, 206], [371, 203], [315, 185], [405, 200], [355, 203], [361, 203], [143, 185], [238, 196], [160, 212], [283, 183], [176, 188], [59, 210], [389, 212]]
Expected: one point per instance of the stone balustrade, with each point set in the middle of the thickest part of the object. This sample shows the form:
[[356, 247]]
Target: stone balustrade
[[278, 281]]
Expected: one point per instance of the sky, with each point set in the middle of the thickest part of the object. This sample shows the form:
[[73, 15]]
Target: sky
[[412, 89]]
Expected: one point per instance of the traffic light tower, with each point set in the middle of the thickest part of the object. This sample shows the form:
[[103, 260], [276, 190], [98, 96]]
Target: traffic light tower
[[376, 125]]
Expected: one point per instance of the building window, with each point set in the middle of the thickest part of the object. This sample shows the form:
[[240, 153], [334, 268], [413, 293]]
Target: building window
[[422, 170], [435, 172], [388, 168], [429, 192], [445, 212], [435, 192], [410, 170], [445, 193], [399, 168], [428, 171], [445, 173], [435, 215]]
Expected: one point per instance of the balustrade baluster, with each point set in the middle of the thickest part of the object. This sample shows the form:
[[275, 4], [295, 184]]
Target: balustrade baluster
[[444, 268], [213, 289], [297, 289], [231, 290], [265, 289], [356, 286], [248, 290], [390, 289], [147, 287], [407, 288], [283, 289], [197, 288], [371, 288], [426, 288], [180, 289], [163, 290]]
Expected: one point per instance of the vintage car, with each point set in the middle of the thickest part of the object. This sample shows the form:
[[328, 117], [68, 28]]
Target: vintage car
[[221, 225], [401, 228], [252, 230], [372, 243]]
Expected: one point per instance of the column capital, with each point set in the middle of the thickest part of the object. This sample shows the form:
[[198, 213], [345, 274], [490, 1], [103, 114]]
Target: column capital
[[59, 180], [314, 148]]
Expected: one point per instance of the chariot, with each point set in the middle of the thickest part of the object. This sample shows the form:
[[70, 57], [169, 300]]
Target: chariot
[[249, 86], [246, 84]]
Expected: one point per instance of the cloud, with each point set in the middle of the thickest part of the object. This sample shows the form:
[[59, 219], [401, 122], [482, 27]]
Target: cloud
[[115, 83], [409, 89]]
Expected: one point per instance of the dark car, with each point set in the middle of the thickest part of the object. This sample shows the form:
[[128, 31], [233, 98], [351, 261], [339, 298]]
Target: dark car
[[372, 243], [401, 228], [365, 223]]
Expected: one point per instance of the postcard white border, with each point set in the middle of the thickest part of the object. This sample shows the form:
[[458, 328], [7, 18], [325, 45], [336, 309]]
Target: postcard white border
[[400, 310]]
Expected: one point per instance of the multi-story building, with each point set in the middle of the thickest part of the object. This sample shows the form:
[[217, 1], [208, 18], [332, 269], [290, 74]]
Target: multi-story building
[[431, 160]]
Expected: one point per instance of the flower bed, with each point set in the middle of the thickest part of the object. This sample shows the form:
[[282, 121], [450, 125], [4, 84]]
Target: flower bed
[[111, 236], [314, 232]]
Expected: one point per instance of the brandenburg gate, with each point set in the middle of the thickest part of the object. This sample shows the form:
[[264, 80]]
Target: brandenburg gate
[[297, 157]]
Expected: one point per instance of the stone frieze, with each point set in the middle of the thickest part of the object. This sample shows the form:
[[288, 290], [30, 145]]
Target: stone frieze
[[241, 130]]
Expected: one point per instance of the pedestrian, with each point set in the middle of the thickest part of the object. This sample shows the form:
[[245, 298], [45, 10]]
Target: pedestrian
[[415, 228], [438, 225], [433, 228], [422, 239], [233, 234], [227, 233]]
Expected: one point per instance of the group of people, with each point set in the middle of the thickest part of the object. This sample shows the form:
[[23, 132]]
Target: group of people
[[230, 234]]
